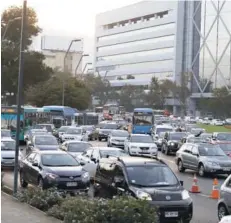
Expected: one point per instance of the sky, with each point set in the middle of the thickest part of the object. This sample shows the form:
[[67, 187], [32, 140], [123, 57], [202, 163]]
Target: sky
[[74, 18]]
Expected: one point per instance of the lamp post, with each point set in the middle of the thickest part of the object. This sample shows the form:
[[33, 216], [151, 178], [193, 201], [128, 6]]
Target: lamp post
[[19, 96], [86, 66], [81, 58], [8, 25]]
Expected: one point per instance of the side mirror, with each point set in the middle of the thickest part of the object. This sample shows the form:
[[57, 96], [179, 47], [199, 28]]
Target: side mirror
[[82, 163], [182, 182], [35, 164], [93, 159]]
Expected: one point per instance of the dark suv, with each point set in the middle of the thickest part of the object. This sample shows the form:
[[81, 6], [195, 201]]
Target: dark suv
[[144, 178], [171, 141]]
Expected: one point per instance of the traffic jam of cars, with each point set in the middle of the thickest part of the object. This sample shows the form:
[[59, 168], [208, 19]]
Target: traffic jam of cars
[[74, 160]]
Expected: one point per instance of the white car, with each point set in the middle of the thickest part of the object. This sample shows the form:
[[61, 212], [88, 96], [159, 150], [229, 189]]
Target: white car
[[74, 133], [162, 128], [140, 144], [217, 122], [5, 133], [226, 219], [116, 138]]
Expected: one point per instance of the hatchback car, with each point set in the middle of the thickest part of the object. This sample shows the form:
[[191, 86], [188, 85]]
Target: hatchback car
[[7, 152], [144, 178], [74, 133], [205, 158], [53, 169], [224, 203]]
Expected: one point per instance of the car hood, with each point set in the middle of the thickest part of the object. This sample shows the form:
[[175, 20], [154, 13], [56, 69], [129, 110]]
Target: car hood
[[143, 144], [47, 147], [7, 153], [218, 159], [66, 170], [73, 136]]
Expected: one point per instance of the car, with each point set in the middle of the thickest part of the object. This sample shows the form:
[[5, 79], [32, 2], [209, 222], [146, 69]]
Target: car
[[206, 136], [91, 131], [205, 158], [49, 127], [225, 146], [106, 129], [31, 132], [171, 142], [116, 138], [59, 132], [224, 202], [74, 147], [138, 144], [159, 141], [57, 169], [74, 133], [5, 133], [92, 156], [42, 142], [217, 122], [144, 178], [7, 152], [221, 136], [161, 128]]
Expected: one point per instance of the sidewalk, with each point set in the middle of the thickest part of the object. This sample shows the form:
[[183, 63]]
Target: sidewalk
[[14, 211]]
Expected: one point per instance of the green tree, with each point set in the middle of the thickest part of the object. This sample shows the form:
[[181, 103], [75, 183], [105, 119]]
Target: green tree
[[50, 92], [35, 70]]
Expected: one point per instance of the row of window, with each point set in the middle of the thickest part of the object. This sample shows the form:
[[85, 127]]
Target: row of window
[[136, 54], [158, 15], [138, 31], [136, 43]]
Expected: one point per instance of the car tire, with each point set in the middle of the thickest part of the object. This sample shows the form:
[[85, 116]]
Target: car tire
[[41, 183], [222, 211], [180, 166], [23, 183], [201, 170]]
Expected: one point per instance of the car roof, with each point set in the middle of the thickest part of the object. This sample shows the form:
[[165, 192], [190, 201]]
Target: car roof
[[48, 135], [7, 139], [136, 161], [76, 141], [51, 152]]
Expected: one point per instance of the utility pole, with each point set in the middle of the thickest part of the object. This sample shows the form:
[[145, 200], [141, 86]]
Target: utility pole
[[19, 96]]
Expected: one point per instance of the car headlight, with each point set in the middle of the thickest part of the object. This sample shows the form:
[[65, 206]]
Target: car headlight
[[86, 176], [143, 195], [172, 143], [185, 195], [52, 176], [210, 163], [153, 148]]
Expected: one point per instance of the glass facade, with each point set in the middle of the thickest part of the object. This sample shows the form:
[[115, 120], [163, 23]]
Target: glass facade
[[215, 54], [137, 32], [135, 43]]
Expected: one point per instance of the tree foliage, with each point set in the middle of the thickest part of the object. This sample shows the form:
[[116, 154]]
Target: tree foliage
[[51, 92]]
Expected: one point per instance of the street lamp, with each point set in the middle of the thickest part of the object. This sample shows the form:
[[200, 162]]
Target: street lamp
[[76, 69], [64, 60], [86, 66], [8, 25]]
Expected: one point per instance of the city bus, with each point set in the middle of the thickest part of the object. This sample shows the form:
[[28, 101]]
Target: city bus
[[88, 118], [142, 120]]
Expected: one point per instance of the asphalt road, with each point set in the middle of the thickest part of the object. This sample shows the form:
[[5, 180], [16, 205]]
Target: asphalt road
[[205, 208]]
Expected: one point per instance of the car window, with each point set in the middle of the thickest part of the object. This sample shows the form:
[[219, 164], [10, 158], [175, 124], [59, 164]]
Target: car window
[[78, 147], [74, 131], [188, 149], [141, 139], [30, 158], [44, 140], [229, 183], [8, 145], [211, 150], [36, 159]]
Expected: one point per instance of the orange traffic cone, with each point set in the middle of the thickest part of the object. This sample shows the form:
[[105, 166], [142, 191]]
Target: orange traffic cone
[[215, 191], [195, 187]]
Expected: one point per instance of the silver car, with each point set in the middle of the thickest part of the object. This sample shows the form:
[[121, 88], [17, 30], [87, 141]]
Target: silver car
[[116, 138], [224, 203], [7, 152], [204, 158], [74, 133]]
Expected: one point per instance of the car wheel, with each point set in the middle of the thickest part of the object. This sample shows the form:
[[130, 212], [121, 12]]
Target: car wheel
[[201, 170], [41, 183], [222, 211], [23, 183], [91, 191], [180, 166]]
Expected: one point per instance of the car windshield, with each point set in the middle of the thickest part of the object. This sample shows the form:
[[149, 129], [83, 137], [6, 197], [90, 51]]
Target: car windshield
[[74, 131], [47, 127], [7, 145], [142, 139], [58, 160], [88, 128], [63, 129], [211, 150], [142, 120], [177, 136], [224, 136], [120, 133], [112, 152], [151, 176], [78, 147], [160, 130], [5, 133], [110, 126], [225, 147], [46, 140], [196, 131]]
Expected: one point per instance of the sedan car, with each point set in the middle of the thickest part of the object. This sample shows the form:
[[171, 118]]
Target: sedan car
[[224, 203], [140, 144], [74, 133], [205, 158], [117, 138], [42, 142], [106, 130], [53, 169], [75, 148]]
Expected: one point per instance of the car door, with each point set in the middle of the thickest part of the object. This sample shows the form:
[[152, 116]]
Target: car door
[[186, 154], [194, 158], [34, 170], [226, 194], [27, 165]]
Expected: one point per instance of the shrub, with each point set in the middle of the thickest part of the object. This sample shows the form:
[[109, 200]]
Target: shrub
[[41, 199], [120, 209]]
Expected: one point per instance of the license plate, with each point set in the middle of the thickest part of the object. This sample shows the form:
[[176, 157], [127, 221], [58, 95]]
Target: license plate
[[171, 214], [72, 184], [226, 169]]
